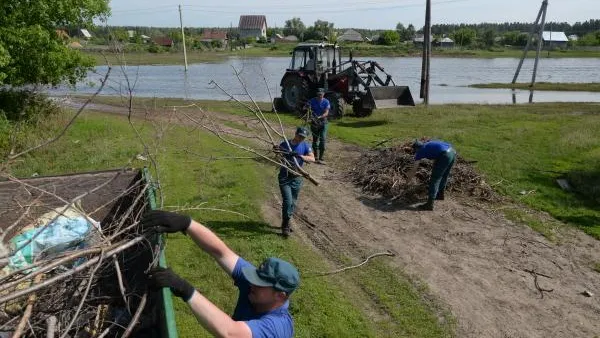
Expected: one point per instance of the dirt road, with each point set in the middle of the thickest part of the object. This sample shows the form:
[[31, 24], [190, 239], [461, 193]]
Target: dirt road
[[483, 267], [473, 260]]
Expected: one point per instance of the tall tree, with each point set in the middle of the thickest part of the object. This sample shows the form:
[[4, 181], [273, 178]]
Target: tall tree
[[31, 49], [294, 26]]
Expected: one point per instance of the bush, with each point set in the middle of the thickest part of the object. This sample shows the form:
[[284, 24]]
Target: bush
[[153, 48], [23, 105]]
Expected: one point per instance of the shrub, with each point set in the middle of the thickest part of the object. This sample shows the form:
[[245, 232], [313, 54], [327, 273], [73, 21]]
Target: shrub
[[24, 105]]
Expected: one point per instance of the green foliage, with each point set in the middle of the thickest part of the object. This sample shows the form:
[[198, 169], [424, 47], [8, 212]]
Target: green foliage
[[464, 36], [31, 52], [319, 31], [294, 26], [487, 38], [590, 39], [514, 39], [216, 44], [389, 38], [25, 105], [154, 48], [406, 34]]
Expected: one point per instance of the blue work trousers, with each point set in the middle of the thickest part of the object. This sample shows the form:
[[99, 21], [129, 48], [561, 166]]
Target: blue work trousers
[[290, 186], [440, 173]]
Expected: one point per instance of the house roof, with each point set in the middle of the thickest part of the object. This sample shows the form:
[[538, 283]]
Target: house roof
[[350, 35], [447, 40], [163, 41], [214, 34], [291, 38], [85, 33], [252, 21], [421, 38], [554, 36]]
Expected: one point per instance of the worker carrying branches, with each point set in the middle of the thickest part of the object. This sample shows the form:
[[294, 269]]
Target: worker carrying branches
[[319, 109], [443, 156], [295, 152], [263, 302]]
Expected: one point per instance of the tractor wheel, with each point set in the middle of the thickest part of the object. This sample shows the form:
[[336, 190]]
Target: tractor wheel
[[294, 93], [358, 109], [337, 106]]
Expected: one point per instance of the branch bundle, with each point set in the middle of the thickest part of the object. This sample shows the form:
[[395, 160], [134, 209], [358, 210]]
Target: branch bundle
[[384, 172], [97, 287]]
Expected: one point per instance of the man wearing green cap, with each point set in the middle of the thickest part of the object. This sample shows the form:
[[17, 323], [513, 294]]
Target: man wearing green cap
[[296, 151], [263, 302], [320, 107], [443, 156]]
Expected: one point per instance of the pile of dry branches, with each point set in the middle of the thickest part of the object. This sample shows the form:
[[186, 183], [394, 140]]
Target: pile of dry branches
[[93, 290], [384, 172]]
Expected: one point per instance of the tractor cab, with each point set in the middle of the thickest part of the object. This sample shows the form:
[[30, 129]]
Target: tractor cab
[[316, 58]]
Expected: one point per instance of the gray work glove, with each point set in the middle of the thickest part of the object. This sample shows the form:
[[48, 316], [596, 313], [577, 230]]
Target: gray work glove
[[165, 278], [165, 221]]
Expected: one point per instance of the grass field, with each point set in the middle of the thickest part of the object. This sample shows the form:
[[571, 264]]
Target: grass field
[[331, 306], [359, 51], [579, 87], [520, 148]]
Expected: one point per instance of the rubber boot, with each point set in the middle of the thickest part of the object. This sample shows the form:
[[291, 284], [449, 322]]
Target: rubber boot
[[285, 228], [427, 206], [440, 196]]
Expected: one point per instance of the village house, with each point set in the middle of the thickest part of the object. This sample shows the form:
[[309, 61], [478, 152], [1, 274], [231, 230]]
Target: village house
[[210, 35], [253, 26], [555, 39], [350, 36], [163, 41]]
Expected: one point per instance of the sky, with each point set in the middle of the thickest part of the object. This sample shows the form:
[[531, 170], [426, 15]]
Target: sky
[[371, 14]]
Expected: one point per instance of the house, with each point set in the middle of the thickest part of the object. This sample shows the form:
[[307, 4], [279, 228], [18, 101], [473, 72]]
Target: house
[[85, 33], [163, 41], [446, 43], [555, 39], [253, 26], [419, 40], [145, 38], [573, 37], [350, 36], [210, 35]]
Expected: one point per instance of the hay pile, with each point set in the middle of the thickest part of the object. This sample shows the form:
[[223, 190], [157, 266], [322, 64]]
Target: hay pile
[[384, 172]]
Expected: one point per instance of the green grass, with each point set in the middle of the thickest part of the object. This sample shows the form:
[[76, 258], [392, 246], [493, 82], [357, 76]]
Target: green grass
[[332, 306], [596, 267], [525, 147], [581, 87], [359, 51]]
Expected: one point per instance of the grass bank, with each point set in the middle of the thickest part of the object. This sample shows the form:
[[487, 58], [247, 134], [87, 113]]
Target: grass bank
[[359, 51], [577, 87], [331, 306], [520, 148]]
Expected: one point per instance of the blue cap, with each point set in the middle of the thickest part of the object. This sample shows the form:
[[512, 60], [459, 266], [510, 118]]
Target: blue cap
[[417, 144], [275, 273], [302, 131]]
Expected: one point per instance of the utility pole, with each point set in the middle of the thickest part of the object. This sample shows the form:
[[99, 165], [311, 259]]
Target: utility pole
[[534, 28], [426, 55], [183, 38], [540, 42]]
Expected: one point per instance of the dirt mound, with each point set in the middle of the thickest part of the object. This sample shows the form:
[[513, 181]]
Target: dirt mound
[[385, 171]]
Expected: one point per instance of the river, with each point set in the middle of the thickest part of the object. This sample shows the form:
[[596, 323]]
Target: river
[[449, 79]]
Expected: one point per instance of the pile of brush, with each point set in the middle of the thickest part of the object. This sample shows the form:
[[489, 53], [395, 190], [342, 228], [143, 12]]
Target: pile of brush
[[385, 171]]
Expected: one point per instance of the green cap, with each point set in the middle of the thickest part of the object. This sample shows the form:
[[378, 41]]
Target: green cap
[[273, 272]]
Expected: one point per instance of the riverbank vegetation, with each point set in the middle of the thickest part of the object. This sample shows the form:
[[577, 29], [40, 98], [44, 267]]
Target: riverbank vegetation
[[578, 87]]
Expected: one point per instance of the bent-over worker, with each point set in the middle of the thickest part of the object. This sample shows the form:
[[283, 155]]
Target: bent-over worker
[[443, 156]]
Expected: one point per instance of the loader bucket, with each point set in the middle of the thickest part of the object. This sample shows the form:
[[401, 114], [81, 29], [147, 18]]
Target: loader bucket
[[389, 97]]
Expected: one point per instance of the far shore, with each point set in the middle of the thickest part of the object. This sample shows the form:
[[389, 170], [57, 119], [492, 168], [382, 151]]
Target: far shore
[[358, 51], [550, 86]]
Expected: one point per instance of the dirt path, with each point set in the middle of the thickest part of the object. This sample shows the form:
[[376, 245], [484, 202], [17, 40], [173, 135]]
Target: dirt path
[[473, 260]]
